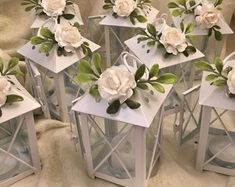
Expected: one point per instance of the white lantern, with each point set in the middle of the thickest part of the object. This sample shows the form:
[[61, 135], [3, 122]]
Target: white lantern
[[216, 140], [114, 25], [53, 66], [18, 143], [121, 148]]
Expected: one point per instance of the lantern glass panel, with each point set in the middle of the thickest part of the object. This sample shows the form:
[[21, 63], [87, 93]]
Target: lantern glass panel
[[14, 145], [220, 148], [112, 146]]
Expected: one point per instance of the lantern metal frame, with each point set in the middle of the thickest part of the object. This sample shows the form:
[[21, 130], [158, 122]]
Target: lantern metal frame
[[23, 111]]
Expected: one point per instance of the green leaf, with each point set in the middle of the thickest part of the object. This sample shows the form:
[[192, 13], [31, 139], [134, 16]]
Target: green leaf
[[140, 72], [144, 38], [181, 2], [153, 71], [45, 32], [132, 104], [176, 13], [158, 87], [204, 66], [167, 78], [85, 67], [152, 30], [13, 62], [16, 73], [46, 47], [96, 59], [68, 16], [211, 77], [14, 98], [94, 91], [219, 64], [1, 65], [218, 2], [210, 32], [35, 40], [29, 8], [151, 43], [76, 24], [114, 107], [192, 3], [189, 28], [219, 82], [218, 35], [141, 19], [142, 86], [108, 6], [172, 5], [182, 26], [0, 112], [141, 31], [84, 77]]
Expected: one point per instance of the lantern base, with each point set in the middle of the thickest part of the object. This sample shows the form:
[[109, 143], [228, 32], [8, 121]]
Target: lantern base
[[227, 157]]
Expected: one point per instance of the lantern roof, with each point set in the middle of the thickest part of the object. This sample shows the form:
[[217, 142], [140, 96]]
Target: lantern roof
[[53, 62], [19, 108], [214, 96], [40, 20], [224, 27], [156, 55], [109, 20], [143, 116]]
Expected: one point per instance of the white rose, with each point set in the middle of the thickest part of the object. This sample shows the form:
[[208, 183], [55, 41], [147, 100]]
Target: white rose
[[173, 40], [207, 15], [4, 89], [231, 81], [68, 37], [116, 83], [124, 8], [53, 7]]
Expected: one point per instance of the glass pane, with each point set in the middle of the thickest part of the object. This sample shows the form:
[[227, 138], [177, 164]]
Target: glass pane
[[105, 135], [17, 146]]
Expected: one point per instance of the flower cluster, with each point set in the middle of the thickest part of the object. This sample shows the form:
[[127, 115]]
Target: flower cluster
[[67, 38], [218, 75], [207, 14], [6, 69], [50, 8], [129, 8], [173, 40], [118, 85]]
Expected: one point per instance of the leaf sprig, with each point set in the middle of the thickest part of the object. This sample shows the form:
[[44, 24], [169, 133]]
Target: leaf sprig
[[151, 36], [180, 7], [10, 68], [218, 75], [36, 5], [142, 5], [47, 41], [91, 72]]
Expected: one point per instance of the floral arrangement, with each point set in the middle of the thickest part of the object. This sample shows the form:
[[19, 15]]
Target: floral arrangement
[[132, 9], [173, 40], [207, 14], [219, 76], [50, 8], [66, 37], [5, 84], [118, 85]]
